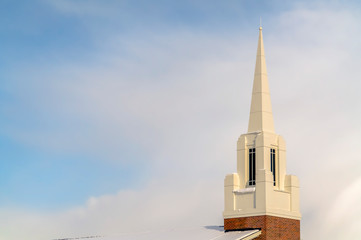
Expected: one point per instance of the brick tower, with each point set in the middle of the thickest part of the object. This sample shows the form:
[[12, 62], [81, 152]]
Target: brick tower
[[260, 195]]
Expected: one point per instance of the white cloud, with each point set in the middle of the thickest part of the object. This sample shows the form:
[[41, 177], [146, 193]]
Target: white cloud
[[342, 220], [82, 8], [154, 208]]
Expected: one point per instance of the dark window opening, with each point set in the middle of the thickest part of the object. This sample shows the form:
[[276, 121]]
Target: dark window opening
[[252, 167], [273, 165]]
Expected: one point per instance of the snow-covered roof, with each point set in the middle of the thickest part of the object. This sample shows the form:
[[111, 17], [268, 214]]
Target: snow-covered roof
[[199, 233]]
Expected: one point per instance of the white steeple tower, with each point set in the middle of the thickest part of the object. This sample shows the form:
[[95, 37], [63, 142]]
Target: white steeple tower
[[261, 195]]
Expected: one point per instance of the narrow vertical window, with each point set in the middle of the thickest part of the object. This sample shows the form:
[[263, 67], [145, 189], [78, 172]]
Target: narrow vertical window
[[252, 166], [273, 165]]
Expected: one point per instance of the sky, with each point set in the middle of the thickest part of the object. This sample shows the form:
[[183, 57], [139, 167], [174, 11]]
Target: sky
[[123, 116]]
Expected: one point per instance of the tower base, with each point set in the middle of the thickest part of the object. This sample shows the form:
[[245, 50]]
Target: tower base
[[273, 228]]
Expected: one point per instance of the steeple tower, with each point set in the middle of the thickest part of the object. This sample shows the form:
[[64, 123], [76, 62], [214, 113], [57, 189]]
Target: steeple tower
[[261, 195], [260, 118]]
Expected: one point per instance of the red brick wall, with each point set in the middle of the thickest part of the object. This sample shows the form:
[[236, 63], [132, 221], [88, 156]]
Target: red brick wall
[[273, 228]]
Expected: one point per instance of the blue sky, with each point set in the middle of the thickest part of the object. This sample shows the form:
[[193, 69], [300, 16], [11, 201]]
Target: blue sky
[[112, 109], [43, 37]]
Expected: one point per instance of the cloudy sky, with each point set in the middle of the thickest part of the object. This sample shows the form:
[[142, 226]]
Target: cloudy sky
[[123, 116]]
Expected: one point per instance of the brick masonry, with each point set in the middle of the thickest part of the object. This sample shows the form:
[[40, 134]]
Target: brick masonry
[[273, 228]]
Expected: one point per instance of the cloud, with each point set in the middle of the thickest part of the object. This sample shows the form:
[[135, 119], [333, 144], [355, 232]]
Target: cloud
[[342, 220], [155, 95], [153, 208], [82, 8]]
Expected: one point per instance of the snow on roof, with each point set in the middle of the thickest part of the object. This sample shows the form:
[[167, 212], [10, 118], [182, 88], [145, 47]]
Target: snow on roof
[[199, 233]]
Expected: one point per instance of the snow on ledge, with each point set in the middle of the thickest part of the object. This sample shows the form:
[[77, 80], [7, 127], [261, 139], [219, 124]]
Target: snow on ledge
[[245, 190]]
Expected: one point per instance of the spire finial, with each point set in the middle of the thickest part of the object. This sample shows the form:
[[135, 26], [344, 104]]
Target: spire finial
[[260, 23]]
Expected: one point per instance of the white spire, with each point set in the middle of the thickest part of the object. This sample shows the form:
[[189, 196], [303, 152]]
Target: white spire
[[260, 118]]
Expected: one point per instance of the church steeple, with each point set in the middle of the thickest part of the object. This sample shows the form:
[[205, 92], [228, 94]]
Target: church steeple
[[260, 195], [260, 118]]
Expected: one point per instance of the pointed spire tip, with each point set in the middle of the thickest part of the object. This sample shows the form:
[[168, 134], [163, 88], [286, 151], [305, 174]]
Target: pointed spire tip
[[260, 23]]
